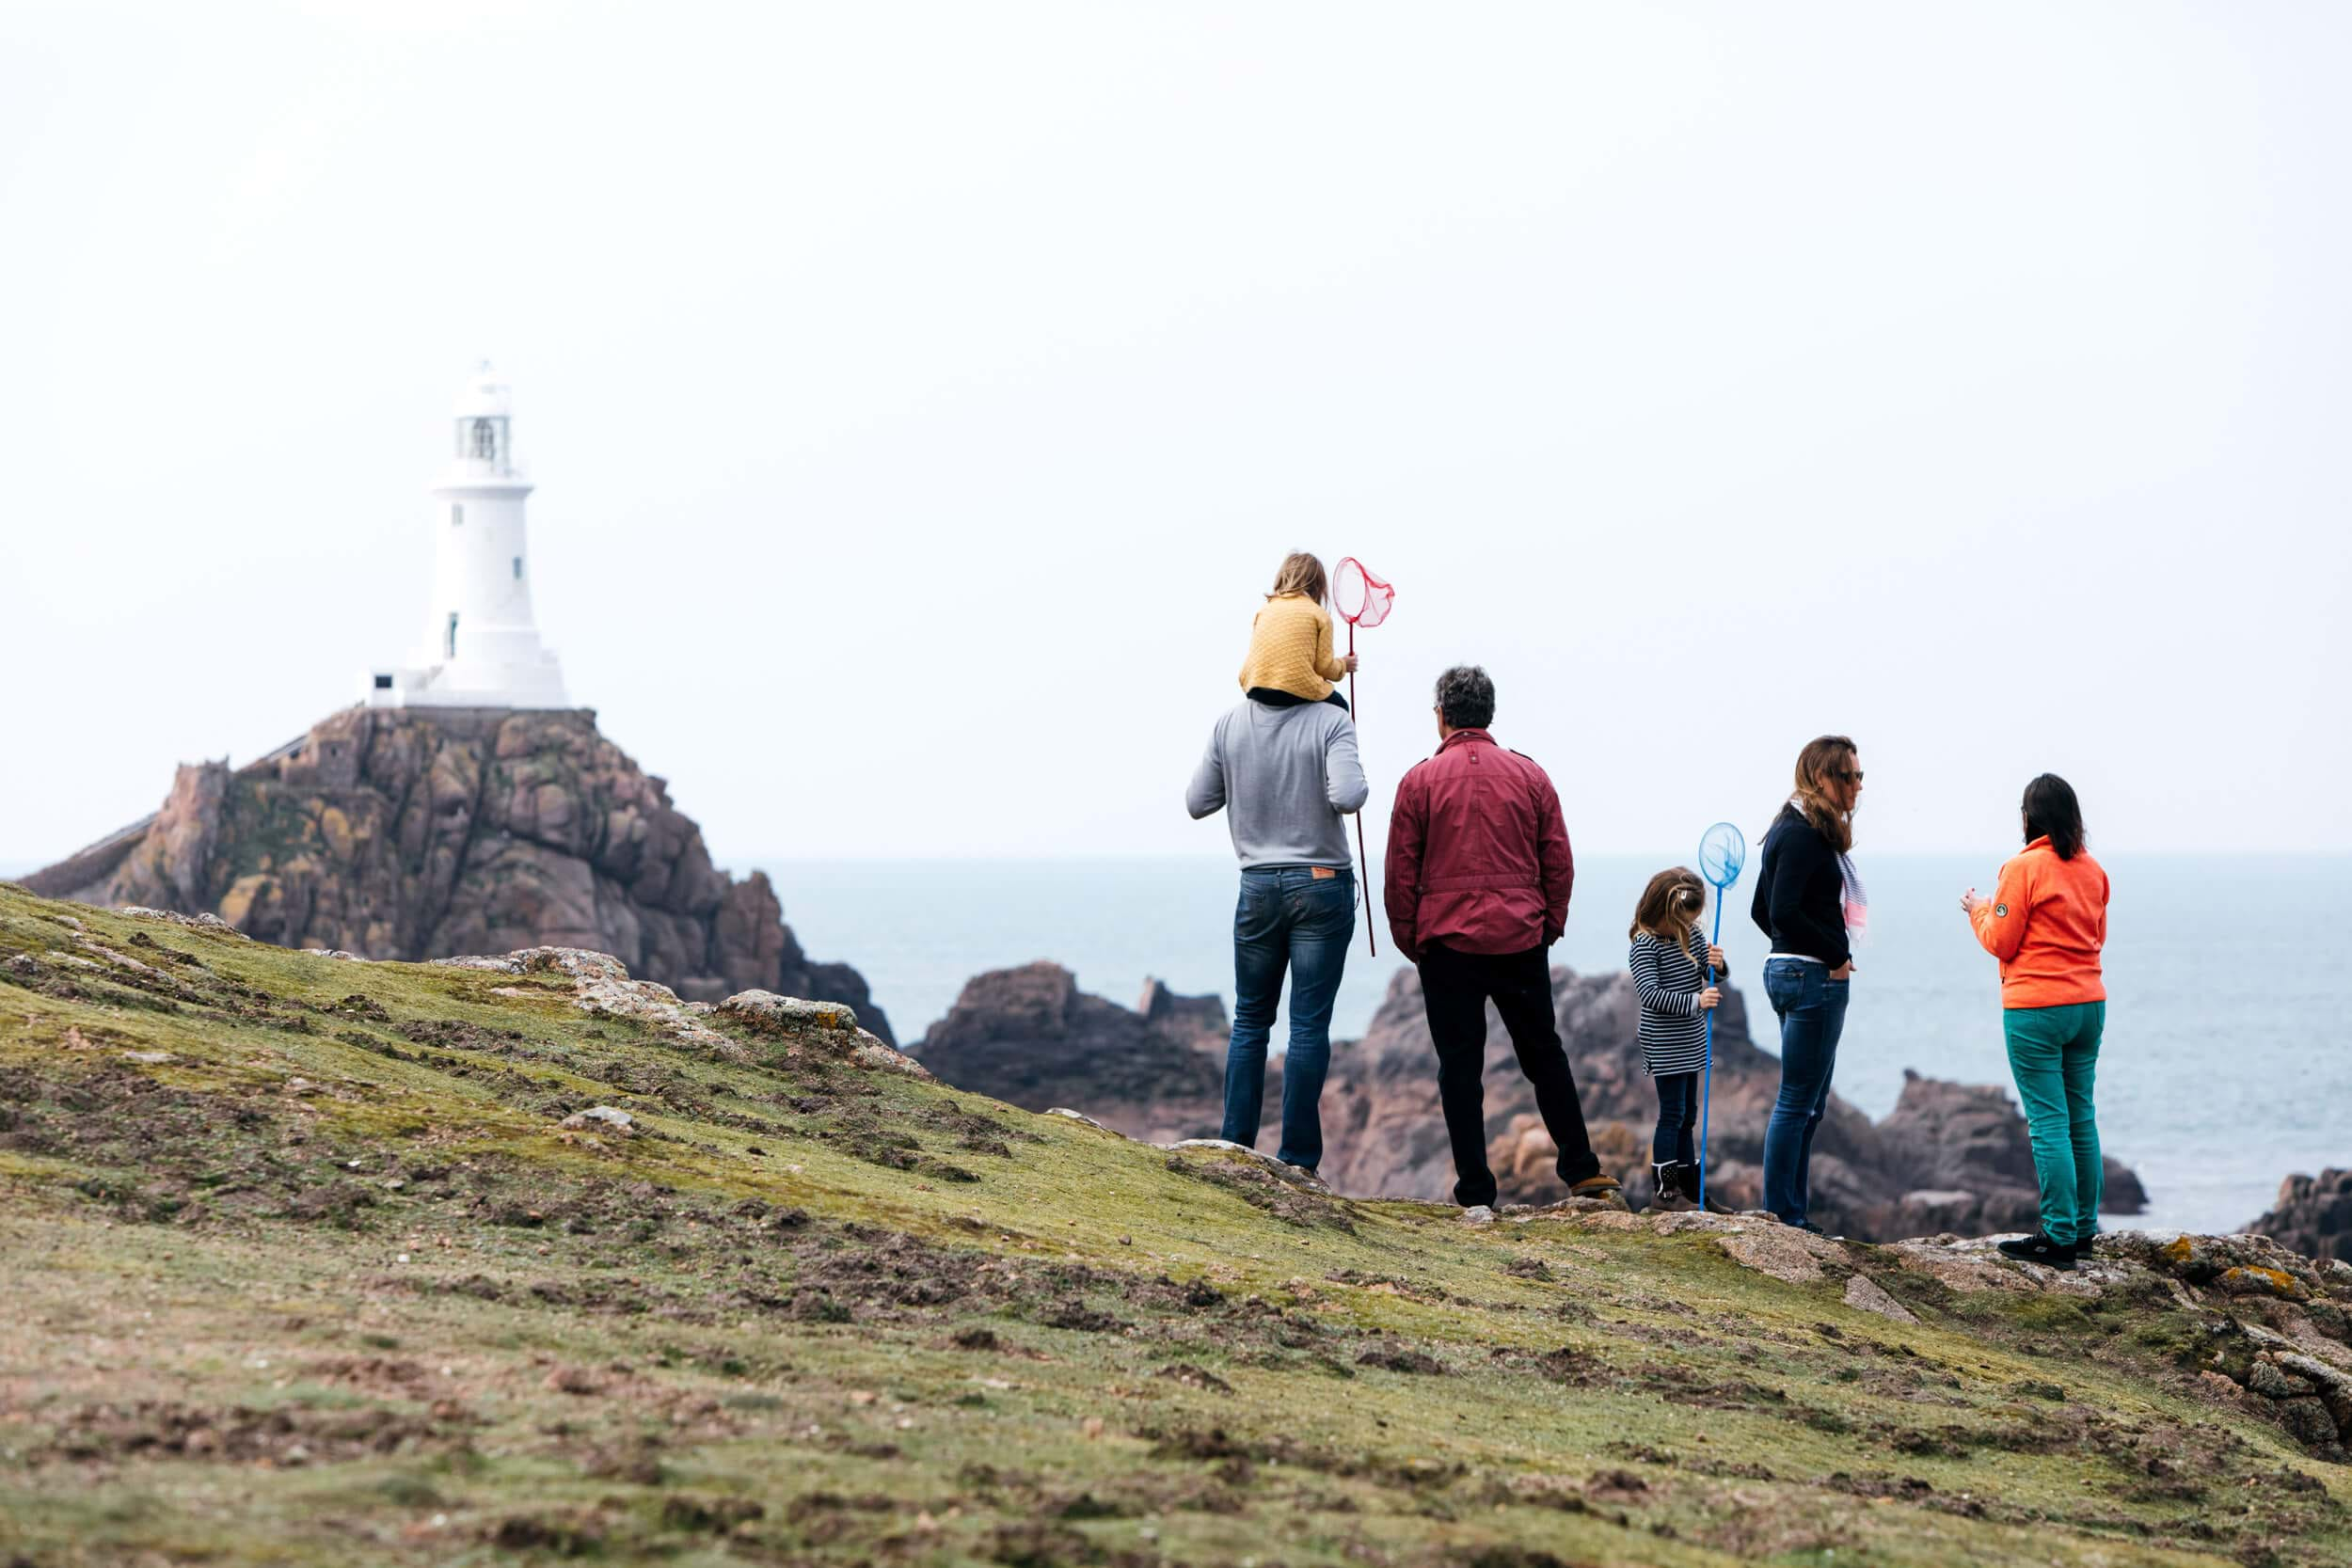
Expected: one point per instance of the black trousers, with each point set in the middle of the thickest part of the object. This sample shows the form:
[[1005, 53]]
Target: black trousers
[[1455, 989]]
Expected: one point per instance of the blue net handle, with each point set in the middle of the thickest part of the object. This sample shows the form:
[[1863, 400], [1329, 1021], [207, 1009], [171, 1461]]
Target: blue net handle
[[1722, 854]]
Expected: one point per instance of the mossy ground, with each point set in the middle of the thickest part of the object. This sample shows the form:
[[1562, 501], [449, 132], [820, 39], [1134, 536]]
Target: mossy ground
[[302, 1268]]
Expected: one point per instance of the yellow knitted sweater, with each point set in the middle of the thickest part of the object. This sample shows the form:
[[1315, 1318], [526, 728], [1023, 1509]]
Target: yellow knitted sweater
[[1290, 649]]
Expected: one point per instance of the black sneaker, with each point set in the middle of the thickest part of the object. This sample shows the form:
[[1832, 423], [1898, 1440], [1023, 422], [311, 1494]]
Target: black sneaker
[[2039, 1248]]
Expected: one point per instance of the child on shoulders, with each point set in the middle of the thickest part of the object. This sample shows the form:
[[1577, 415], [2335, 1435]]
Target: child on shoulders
[[1290, 658], [1670, 967]]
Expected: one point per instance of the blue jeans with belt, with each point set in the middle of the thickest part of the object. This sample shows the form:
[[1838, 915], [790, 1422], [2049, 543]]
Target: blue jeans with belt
[[1289, 918], [1812, 1009]]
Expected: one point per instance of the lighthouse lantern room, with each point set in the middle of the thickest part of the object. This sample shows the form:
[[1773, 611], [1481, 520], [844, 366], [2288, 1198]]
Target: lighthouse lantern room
[[480, 646]]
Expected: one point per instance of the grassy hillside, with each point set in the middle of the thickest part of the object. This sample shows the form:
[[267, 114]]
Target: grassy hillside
[[302, 1265]]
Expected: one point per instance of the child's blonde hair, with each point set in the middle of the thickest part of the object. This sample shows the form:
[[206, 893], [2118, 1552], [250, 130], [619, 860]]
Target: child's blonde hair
[[1301, 573], [1670, 907]]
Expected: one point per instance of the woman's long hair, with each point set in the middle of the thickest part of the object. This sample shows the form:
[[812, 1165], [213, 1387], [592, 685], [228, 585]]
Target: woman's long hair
[[1670, 907], [1823, 758], [1300, 573], [2052, 812]]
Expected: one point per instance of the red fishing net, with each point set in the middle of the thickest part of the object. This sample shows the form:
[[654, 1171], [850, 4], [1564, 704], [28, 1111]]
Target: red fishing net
[[1361, 599]]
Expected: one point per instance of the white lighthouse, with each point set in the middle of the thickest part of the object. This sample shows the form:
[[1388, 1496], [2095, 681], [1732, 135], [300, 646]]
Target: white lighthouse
[[480, 646]]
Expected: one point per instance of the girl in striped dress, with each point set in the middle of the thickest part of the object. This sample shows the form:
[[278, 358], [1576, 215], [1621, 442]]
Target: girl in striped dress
[[1670, 963]]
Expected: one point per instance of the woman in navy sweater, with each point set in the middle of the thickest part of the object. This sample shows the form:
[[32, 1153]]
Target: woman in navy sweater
[[1810, 903]]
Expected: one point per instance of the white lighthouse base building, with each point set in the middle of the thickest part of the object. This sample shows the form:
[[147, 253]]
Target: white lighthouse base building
[[480, 646]]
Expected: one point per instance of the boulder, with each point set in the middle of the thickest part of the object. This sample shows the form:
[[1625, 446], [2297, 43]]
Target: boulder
[[2312, 1214], [409, 833], [1031, 1037]]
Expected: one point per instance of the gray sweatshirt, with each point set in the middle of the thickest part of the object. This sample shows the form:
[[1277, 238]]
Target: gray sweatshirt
[[1286, 777]]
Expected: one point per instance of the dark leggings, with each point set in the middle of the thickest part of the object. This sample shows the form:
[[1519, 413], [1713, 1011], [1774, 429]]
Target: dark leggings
[[1273, 698], [1677, 1114]]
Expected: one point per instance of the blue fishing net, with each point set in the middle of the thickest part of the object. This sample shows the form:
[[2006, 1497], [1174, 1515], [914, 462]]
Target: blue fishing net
[[1722, 851]]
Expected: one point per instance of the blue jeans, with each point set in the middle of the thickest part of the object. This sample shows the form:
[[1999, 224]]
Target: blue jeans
[[1677, 1113], [1288, 918], [1812, 1009]]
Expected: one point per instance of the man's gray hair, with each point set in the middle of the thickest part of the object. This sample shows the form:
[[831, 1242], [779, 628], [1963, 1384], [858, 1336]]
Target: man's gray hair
[[1466, 697]]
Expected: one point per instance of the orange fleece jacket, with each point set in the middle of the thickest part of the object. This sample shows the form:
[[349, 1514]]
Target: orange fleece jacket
[[2046, 924]]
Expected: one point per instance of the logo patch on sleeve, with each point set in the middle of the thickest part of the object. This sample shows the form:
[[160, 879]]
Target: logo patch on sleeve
[[2000, 912]]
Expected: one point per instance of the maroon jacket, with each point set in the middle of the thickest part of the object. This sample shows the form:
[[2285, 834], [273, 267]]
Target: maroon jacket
[[1478, 854]]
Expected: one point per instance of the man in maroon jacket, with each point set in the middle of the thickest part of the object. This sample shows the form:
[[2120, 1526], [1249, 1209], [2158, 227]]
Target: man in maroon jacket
[[1477, 888]]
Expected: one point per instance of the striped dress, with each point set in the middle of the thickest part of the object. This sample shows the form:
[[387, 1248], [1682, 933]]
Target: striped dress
[[1668, 980]]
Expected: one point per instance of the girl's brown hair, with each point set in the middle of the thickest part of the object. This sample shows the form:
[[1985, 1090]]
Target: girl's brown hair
[[1670, 907], [1821, 767], [1301, 573]]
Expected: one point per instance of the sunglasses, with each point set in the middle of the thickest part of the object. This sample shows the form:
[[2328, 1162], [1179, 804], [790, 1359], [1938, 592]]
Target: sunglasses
[[1848, 775]]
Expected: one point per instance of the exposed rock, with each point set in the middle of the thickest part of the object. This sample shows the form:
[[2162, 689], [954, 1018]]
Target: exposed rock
[[612, 1116], [410, 833], [2312, 1214], [1865, 1294], [815, 1029], [1030, 1036], [1788, 1253], [1966, 1270]]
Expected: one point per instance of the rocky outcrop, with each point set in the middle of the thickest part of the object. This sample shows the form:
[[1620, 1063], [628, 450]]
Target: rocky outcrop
[[1030, 1036], [412, 833], [2312, 1214], [1951, 1157]]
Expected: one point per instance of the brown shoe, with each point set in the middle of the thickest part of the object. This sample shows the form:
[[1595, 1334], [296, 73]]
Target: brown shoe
[[1673, 1197]]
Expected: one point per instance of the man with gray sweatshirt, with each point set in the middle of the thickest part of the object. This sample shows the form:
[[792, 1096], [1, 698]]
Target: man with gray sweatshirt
[[1288, 778]]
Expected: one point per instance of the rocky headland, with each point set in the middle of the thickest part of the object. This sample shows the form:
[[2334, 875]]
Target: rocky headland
[[1949, 1158], [413, 832]]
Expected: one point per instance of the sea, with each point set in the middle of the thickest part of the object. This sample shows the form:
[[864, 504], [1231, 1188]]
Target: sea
[[2225, 1065]]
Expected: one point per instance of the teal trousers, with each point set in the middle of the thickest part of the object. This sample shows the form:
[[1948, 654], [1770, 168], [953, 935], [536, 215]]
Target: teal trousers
[[2054, 1056]]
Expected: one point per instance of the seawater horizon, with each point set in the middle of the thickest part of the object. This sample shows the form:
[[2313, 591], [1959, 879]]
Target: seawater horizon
[[2207, 1085]]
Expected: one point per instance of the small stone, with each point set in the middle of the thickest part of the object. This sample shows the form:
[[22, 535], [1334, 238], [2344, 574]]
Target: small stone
[[1864, 1294], [1091, 1428], [2270, 1383], [1478, 1213], [573, 1379], [611, 1117]]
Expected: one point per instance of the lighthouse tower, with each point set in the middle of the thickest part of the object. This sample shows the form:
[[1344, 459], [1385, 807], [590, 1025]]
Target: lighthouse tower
[[480, 646]]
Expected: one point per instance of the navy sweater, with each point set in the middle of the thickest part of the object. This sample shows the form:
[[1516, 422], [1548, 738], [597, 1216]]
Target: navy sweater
[[1800, 898]]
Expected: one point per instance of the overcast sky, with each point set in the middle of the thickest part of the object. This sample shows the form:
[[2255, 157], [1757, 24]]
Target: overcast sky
[[920, 398]]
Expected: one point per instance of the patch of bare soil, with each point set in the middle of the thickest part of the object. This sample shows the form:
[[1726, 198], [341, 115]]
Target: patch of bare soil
[[284, 1436]]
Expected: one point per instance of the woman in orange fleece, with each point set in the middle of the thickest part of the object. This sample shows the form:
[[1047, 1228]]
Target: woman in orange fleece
[[2046, 921]]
